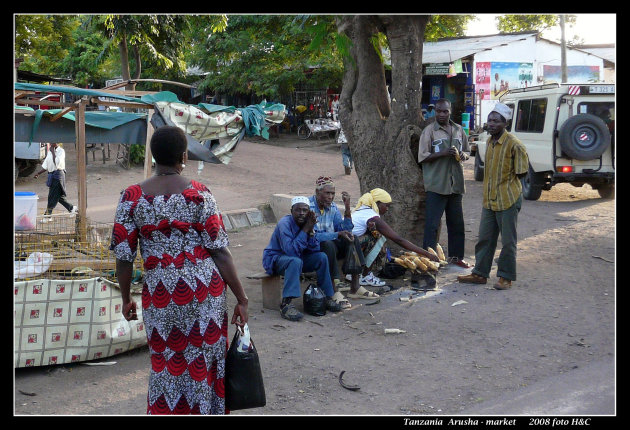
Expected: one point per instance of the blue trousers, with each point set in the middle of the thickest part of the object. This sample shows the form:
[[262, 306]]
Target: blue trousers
[[292, 267], [436, 206]]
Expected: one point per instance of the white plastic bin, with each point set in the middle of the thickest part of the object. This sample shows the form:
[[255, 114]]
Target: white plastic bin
[[25, 210]]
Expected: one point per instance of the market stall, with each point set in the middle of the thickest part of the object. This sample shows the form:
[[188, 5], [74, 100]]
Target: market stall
[[67, 302]]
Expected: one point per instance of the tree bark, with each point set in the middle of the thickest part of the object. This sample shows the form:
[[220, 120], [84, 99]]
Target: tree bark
[[124, 63], [384, 139]]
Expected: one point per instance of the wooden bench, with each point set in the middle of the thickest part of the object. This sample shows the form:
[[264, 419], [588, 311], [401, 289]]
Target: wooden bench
[[272, 286]]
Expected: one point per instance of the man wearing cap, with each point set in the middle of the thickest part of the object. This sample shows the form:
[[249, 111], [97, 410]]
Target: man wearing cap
[[430, 111], [334, 232], [506, 162], [442, 148], [294, 249]]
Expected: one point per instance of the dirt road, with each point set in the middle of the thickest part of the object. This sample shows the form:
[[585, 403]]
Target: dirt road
[[558, 318]]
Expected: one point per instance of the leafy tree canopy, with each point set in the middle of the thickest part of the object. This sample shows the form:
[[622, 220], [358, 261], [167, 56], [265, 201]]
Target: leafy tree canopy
[[539, 22]]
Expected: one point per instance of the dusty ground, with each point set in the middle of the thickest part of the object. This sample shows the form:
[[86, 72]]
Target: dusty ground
[[558, 317]]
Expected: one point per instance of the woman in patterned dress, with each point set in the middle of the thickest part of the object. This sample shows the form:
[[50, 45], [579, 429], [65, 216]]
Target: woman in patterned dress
[[187, 265]]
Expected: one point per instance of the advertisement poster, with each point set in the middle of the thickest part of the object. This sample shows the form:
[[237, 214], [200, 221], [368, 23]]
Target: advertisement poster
[[576, 74], [506, 76], [482, 80]]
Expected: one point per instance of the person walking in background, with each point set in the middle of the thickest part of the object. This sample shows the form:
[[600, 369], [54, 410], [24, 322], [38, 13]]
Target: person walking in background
[[55, 165], [346, 155], [187, 263], [443, 147], [506, 162]]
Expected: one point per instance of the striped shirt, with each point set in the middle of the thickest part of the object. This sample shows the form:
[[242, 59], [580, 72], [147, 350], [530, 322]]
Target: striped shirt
[[505, 158]]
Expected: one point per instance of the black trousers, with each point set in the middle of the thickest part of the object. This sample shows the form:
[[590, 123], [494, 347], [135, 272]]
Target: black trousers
[[436, 206], [337, 250], [57, 194]]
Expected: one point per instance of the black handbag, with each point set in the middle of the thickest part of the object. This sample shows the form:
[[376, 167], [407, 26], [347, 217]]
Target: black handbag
[[314, 301], [352, 264], [244, 387]]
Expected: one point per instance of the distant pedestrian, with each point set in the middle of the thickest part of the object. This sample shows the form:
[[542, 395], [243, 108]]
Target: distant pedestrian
[[506, 162], [346, 156], [430, 111], [55, 165]]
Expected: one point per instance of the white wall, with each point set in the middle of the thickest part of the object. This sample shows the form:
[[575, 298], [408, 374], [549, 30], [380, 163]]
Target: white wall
[[540, 53]]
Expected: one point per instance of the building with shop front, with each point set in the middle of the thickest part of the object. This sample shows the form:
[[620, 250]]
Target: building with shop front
[[474, 71]]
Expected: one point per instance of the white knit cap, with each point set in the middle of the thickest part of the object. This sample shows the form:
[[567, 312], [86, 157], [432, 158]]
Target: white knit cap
[[299, 199], [502, 110]]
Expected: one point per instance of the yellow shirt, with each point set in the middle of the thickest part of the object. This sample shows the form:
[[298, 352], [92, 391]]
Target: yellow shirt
[[505, 158]]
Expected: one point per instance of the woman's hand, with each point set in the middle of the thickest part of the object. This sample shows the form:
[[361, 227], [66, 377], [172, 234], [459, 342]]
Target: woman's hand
[[130, 311], [240, 315]]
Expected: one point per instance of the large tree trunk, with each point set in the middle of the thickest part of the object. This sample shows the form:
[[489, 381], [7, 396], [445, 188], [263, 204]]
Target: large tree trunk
[[384, 139], [124, 63]]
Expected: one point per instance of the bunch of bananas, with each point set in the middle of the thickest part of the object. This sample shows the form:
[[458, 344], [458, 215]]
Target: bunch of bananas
[[418, 263]]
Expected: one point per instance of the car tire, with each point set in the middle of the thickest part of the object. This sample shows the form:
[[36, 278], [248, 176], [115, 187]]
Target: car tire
[[606, 191], [584, 137], [478, 169], [532, 185]]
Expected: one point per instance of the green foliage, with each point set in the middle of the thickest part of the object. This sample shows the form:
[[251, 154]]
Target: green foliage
[[440, 26], [136, 154], [43, 41], [267, 55], [538, 22], [85, 60]]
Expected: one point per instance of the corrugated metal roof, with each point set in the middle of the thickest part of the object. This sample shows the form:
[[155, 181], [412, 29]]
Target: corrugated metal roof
[[607, 52], [449, 50]]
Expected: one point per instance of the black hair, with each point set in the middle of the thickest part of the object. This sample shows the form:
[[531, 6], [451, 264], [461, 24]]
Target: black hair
[[444, 101], [168, 143]]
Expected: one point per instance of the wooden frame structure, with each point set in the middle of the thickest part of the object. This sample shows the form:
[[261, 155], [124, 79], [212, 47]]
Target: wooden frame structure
[[79, 107]]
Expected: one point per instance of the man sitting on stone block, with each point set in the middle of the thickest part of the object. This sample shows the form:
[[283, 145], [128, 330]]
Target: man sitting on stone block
[[334, 233], [294, 249]]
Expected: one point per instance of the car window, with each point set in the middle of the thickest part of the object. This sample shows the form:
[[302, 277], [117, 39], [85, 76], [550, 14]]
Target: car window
[[530, 115], [509, 123]]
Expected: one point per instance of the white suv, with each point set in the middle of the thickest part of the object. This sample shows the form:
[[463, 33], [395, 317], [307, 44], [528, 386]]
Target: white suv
[[568, 131]]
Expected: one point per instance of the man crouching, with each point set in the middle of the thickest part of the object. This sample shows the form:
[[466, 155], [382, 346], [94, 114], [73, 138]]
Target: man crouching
[[293, 249]]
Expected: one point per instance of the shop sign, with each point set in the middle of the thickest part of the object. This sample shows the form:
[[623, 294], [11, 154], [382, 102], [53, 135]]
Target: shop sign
[[436, 69]]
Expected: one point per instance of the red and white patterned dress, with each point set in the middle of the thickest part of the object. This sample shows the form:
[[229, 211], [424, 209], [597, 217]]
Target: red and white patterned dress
[[183, 296]]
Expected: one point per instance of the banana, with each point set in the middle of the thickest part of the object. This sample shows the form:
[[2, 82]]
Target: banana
[[410, 264], [440, 252], [420, 265], [432, 251], [400, 261], [430, 264]]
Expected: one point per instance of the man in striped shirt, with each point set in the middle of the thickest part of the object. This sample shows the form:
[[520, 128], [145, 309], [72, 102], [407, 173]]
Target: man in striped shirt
[[506, 162]]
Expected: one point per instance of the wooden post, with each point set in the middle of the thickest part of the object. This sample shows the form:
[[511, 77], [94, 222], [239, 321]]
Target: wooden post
[[79, 114], [147, 146]]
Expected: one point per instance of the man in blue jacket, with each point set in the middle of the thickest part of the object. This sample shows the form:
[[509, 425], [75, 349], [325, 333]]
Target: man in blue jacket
[[294, 249]]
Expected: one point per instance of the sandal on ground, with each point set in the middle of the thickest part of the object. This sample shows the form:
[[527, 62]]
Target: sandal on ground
[[362, 293], [288, 312], [378, 290], [342, 286], [343, 302]]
